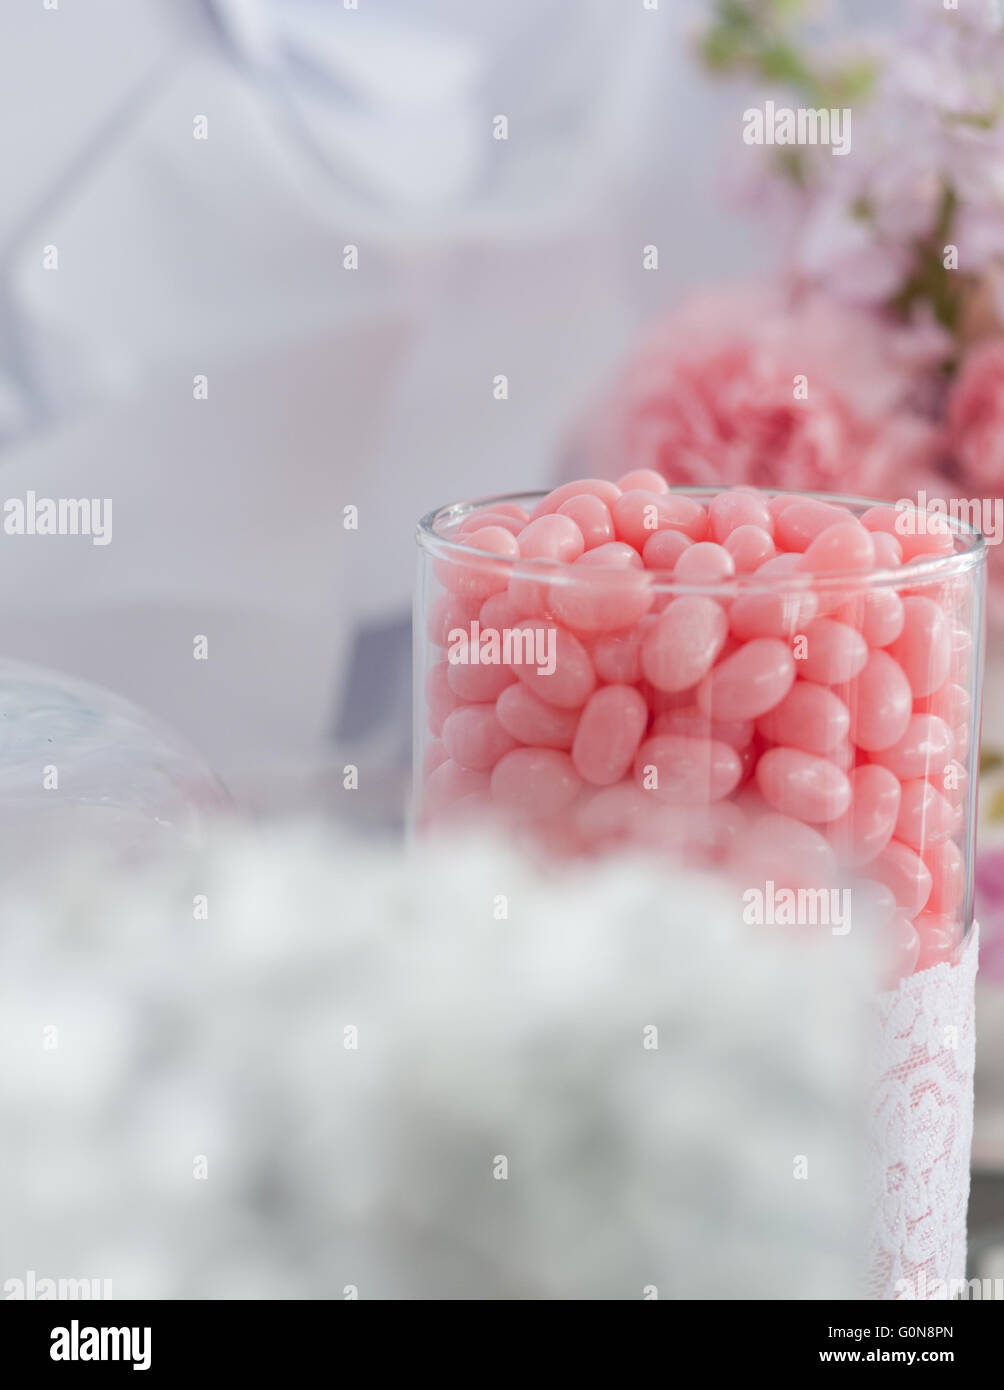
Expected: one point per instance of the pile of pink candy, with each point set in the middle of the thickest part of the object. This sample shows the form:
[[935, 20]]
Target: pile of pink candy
[[714, 678]]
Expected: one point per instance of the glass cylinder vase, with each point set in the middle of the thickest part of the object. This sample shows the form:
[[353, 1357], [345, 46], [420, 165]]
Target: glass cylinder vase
[[781, 686]]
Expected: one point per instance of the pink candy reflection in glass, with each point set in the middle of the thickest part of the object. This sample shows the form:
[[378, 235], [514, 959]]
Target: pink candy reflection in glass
[[780, 686]]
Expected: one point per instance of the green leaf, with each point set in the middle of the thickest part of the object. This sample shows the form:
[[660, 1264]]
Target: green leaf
[[779, 62]]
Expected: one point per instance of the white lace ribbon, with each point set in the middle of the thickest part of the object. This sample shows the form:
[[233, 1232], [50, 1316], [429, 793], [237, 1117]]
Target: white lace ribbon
[[921, 1131]]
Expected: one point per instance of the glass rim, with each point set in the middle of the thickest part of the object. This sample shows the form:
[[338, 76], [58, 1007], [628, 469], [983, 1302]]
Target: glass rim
[[918, 571]]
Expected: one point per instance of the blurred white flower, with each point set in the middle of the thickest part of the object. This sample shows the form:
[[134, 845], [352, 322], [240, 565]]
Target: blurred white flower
[[932, 130], [423, 1077]]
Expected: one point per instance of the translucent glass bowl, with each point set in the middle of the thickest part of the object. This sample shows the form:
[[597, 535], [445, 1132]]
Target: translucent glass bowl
[[80, 766]]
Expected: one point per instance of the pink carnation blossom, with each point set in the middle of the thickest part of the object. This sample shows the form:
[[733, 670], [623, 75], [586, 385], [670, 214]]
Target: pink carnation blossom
[[976, 418], [712, 397], [976, 441]]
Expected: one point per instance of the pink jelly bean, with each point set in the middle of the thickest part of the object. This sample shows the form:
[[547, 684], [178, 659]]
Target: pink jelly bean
[[924, 647], [685, 770], [946, 597], [529, 720], [800, 785], [616, 555], [465, 812], [478, 520], [572, 681], [830, 597], [659, 701], [832, 653], [592, 517], [682, 644], [953, 781], [703, 834], [613, 815], [687, 515], [536, 782], [918, 533], [704, 563], [494, 540], [595, 596], [932, 537], [723, 827], [729, 510], [644, 479], [880, 702], [499, 612], [480, 683], [448, 613], [888, 551], [554, 537], [939, 936], [876, 613], [602, 488], [906, 874], [846, 547], [883, 617], [639, 513], [487, 572], [798, 525], [947, 868], [926, 817], [845, 755], [530, 587], [749, 754], [924, 750], [787, 565], [434, 756], [664, 548], [774, 613], [512, 509], [691, 723], [876, 901], [440, 698], [882, 518], [750, 547], [448, 784], [788, 852], [617, 656], [609, 732], [950, 702], [810, 717], [866, 827], [748, 683], [900, 950], [474, 738]]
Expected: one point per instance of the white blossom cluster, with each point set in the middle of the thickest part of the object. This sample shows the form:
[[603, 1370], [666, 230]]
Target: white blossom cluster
[[291, 1066]]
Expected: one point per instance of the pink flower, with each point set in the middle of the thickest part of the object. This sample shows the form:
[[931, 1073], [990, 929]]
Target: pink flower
[[751, 386], [975, 414], [976, 418]]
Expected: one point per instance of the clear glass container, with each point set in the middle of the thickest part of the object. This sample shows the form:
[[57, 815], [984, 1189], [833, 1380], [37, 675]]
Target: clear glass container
[[848, 763], [83, 768]]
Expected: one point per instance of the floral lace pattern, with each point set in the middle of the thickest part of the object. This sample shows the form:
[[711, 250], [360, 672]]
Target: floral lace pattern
[[921, 1130]]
